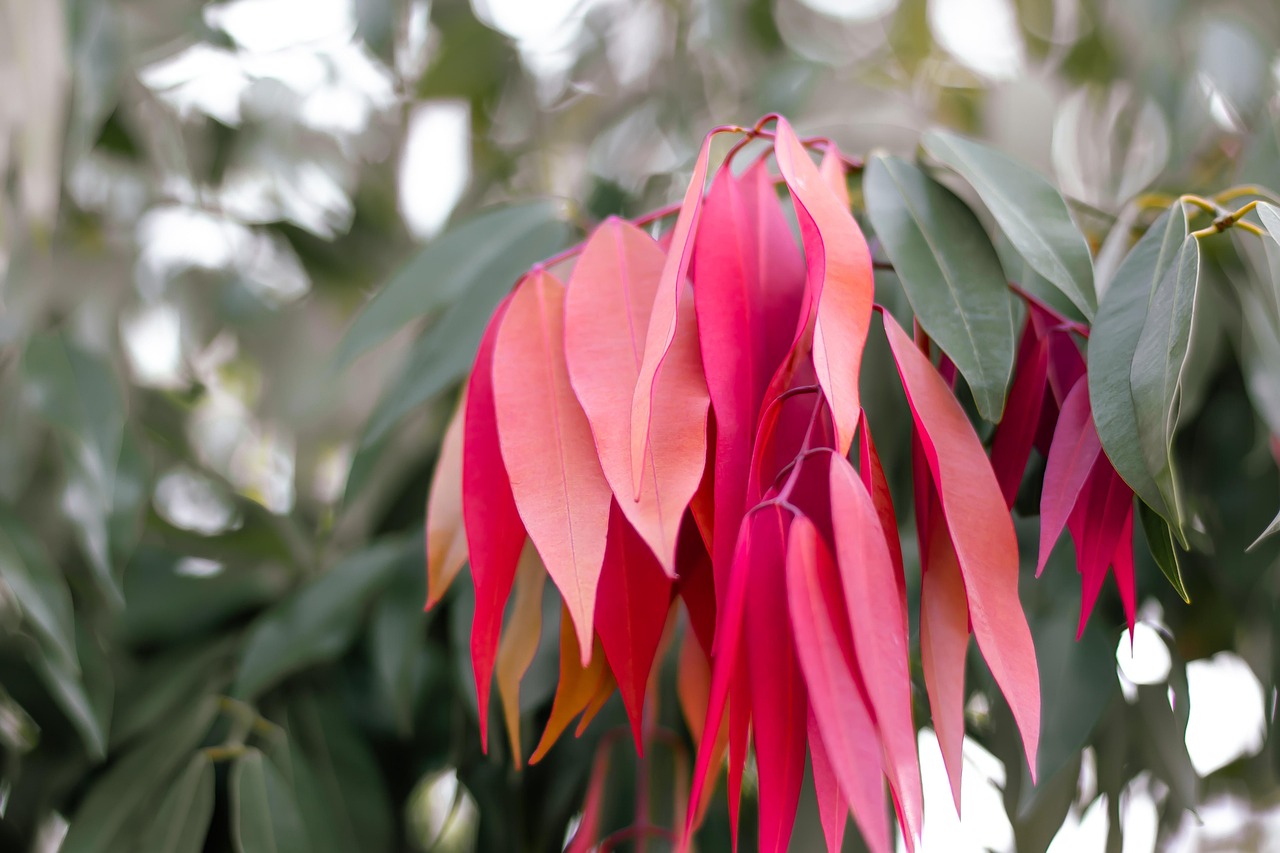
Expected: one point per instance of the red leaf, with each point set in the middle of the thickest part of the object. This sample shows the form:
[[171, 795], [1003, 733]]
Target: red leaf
[[749, 282], [1122, 564], [877, 486], [696, 586], [877, 607], [446, 538], [1101, 515], [556, 479], [840, 278], [1072, 456], [981, 531], [635, 597], [944, 636], [839, 703], [495, 533], [606, 316], [1016, 432], [833, 809]]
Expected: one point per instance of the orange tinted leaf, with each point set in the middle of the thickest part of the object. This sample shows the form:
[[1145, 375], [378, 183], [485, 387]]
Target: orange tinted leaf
[[604, 690], [606, 317], [520, 643], [981, 531], [577, 687], [446, 536], [840, 276], [556, 479]]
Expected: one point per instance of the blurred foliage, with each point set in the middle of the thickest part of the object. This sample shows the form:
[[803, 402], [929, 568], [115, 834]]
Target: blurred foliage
[[211, 578]]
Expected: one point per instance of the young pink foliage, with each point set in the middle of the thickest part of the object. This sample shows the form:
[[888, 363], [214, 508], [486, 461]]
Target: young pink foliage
[[833, 808], [1016, 433], [1072, 456]]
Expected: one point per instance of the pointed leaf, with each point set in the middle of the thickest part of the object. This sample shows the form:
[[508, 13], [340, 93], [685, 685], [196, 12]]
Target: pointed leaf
[[520, 643], [43, 599], [840, 278], [1113, 343], [1156, 377], [446, 535], [1272, 529], [950, 272], [981, 531], [1099, 520], [1164, 548], [635, 598], [181, 821], [576, 689], [495, 533], [547, 448], [1270, 216], [264, 812], [606, 316], [833, 809], [1072, 455], [1016, 433], [1030, 211]]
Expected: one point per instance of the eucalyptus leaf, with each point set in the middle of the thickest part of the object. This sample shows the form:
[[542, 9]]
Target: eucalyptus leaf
[[83, 693], [181, 822], [397, 635], [319, 621], [41, 592], [1113, 343], [449, 268], [169, 682], [950, 271], [264, 813], [1163, 548], [1028, 209], [1270, 216]]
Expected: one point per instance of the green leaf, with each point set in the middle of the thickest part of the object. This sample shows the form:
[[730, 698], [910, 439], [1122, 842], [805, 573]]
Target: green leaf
[[41, 592], [950, 271], [318, 622], [1164, 550], [264, 813], [1113, 342], [182, 820], [397, 637], [133, 783], [83, 693], [1156, 380], [169, 682], [449, 268], [445, 351], [1028, 209]]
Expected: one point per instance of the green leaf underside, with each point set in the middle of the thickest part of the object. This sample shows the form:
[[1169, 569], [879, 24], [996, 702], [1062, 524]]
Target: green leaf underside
[[1029, 210], [950, 272], [1163, 548]]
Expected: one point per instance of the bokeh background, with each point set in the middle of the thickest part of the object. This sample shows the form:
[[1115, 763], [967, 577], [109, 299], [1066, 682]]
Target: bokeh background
[[199, 498]]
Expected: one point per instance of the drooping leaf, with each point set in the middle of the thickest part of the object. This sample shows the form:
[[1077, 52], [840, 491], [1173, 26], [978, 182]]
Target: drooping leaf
[[41, 593], [635, 596], [1272, 529], [1102, 514], [495, 533], [1113, 343], [497, 244], [320, 620], [833, 809], [577, 687], [264, 811], [840, 279], [182, 818], [547, 448], [1164, 548], [1072, 455], [980, 529], [1015, 435], [399, 658], [606, 316], [446, 535], [520, 643], [1156, 378], [839, 702], [950, 272], [85, 693], [1030, 211], [877, 608]]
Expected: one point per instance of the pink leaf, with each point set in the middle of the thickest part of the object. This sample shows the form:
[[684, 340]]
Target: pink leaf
[[1075, 450], [833, 809]]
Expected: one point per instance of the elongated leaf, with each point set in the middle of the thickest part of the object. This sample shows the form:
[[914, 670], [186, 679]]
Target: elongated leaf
[[877, 608], [318, 622], [981, 531], [41, 593], [84, 693], [1113, 343], [486, 247], [520, 643], [950, 272], [264, 811], [495, 533], [556, 480], [1156, 378], [840, 706], [397, 652], [1272, 529], [182, 819], [749, 283], [446, 534], [1270, 216], [1015, 435], [840, 279], [833, 808], [1030, 211], [578, 685], [1164, 548], [635, 596], [1100, 518], [606, 316], [1072, 455], [443, 354]]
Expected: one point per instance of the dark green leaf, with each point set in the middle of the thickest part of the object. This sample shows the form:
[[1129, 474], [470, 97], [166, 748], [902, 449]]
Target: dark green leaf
[[182, 820], [1164, 550], [264, 813], [40, 591], [319, 621], [445, 351], [1029, 210], [83, 693], [169, 682], [1156, 379], [451, 267], [396, 638], [950, 271], [1113, 342], [133, 783]]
